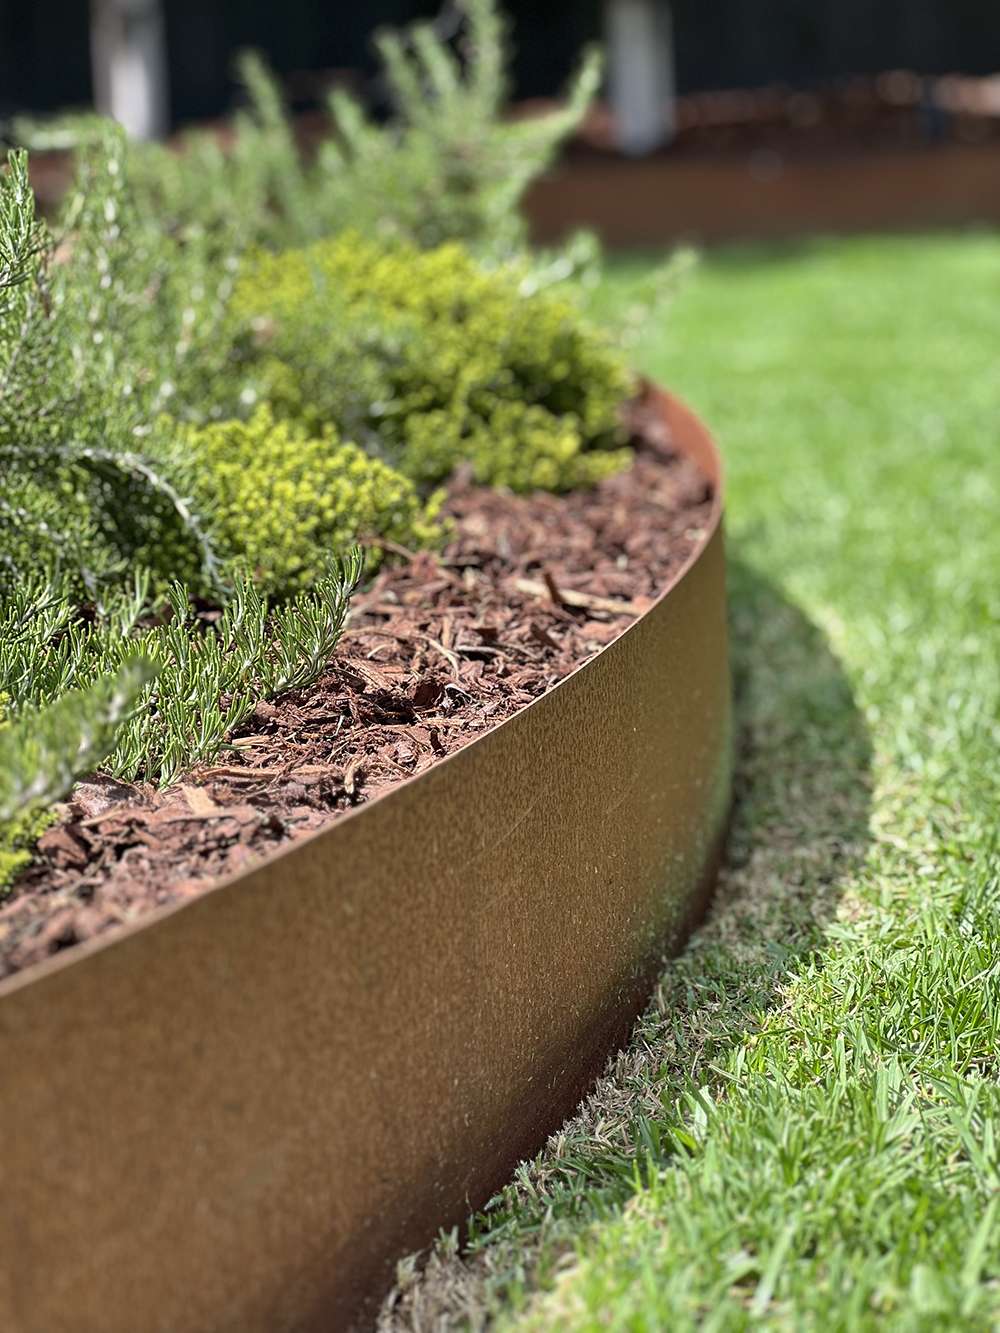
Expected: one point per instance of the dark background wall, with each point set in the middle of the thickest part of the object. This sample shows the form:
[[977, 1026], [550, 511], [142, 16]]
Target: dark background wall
[[45, 59]]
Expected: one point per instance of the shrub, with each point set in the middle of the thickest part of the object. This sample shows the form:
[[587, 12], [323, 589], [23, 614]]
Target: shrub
[[45, 749], [92, 344], [454, 166], [282, 499], [449, 165], [455, 362], [92, 349], [142, 696], [51, 524]]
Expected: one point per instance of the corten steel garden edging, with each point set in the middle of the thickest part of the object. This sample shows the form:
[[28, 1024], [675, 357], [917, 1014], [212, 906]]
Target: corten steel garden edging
[[714, 197], [238, 1113]]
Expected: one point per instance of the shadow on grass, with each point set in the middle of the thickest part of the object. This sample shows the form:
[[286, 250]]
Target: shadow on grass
[[740, 255], [799, 835]]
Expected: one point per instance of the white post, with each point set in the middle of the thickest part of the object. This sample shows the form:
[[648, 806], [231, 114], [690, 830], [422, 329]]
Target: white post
[[641, 73], [129, 61]]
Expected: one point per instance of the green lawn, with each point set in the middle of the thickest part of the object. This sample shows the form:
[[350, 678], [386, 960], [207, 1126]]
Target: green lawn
[[805, 1131]]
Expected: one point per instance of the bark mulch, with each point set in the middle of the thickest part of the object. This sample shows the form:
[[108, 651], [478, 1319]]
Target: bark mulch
[[438, 650]]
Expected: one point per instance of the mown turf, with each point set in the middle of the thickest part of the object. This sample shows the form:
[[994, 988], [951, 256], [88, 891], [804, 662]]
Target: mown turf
[[804, 1130]]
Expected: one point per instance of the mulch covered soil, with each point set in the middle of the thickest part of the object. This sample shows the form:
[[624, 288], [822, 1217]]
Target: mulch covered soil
[[438, 650]]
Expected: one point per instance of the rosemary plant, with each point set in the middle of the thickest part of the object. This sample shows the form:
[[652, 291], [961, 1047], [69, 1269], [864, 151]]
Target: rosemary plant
[[450, 164], [85, 362], [199, 681]]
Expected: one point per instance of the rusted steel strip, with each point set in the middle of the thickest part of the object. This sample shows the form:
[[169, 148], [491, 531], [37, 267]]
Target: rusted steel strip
[[239, 1113], [732, 195]]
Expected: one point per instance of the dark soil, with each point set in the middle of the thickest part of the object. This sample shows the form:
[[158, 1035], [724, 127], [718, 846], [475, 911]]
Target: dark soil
[[439, 649]]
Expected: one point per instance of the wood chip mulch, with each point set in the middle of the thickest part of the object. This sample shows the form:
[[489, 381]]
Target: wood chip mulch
[[438, 650]]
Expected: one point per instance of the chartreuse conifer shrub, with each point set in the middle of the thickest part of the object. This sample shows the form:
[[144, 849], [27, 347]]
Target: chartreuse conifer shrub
[[283, 495], [437, 361]]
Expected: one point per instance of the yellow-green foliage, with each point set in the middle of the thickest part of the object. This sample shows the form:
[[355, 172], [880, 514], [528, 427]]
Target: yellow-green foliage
[[18, 836], [473, 365], [284, 500]]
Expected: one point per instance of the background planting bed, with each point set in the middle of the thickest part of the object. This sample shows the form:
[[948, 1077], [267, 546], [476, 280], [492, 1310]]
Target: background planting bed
[[240, 1113]]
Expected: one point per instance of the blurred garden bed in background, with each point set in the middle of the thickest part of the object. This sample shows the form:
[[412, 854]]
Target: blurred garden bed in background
[[893, 152]]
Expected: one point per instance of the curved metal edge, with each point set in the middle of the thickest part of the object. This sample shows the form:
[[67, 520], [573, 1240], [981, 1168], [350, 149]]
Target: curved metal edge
[[694, 440], [240, 1113]]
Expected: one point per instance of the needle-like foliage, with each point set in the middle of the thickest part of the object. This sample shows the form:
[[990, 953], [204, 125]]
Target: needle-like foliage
[[454, 164], [203, 681], [90, 348], [45, 750]]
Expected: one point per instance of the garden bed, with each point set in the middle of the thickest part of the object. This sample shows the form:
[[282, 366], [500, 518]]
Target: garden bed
[[439, 650], [330, 1055], [317, 936]]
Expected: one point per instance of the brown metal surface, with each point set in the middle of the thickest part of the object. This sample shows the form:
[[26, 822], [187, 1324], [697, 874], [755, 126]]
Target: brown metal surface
[[762, 196], [237, 1115]]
